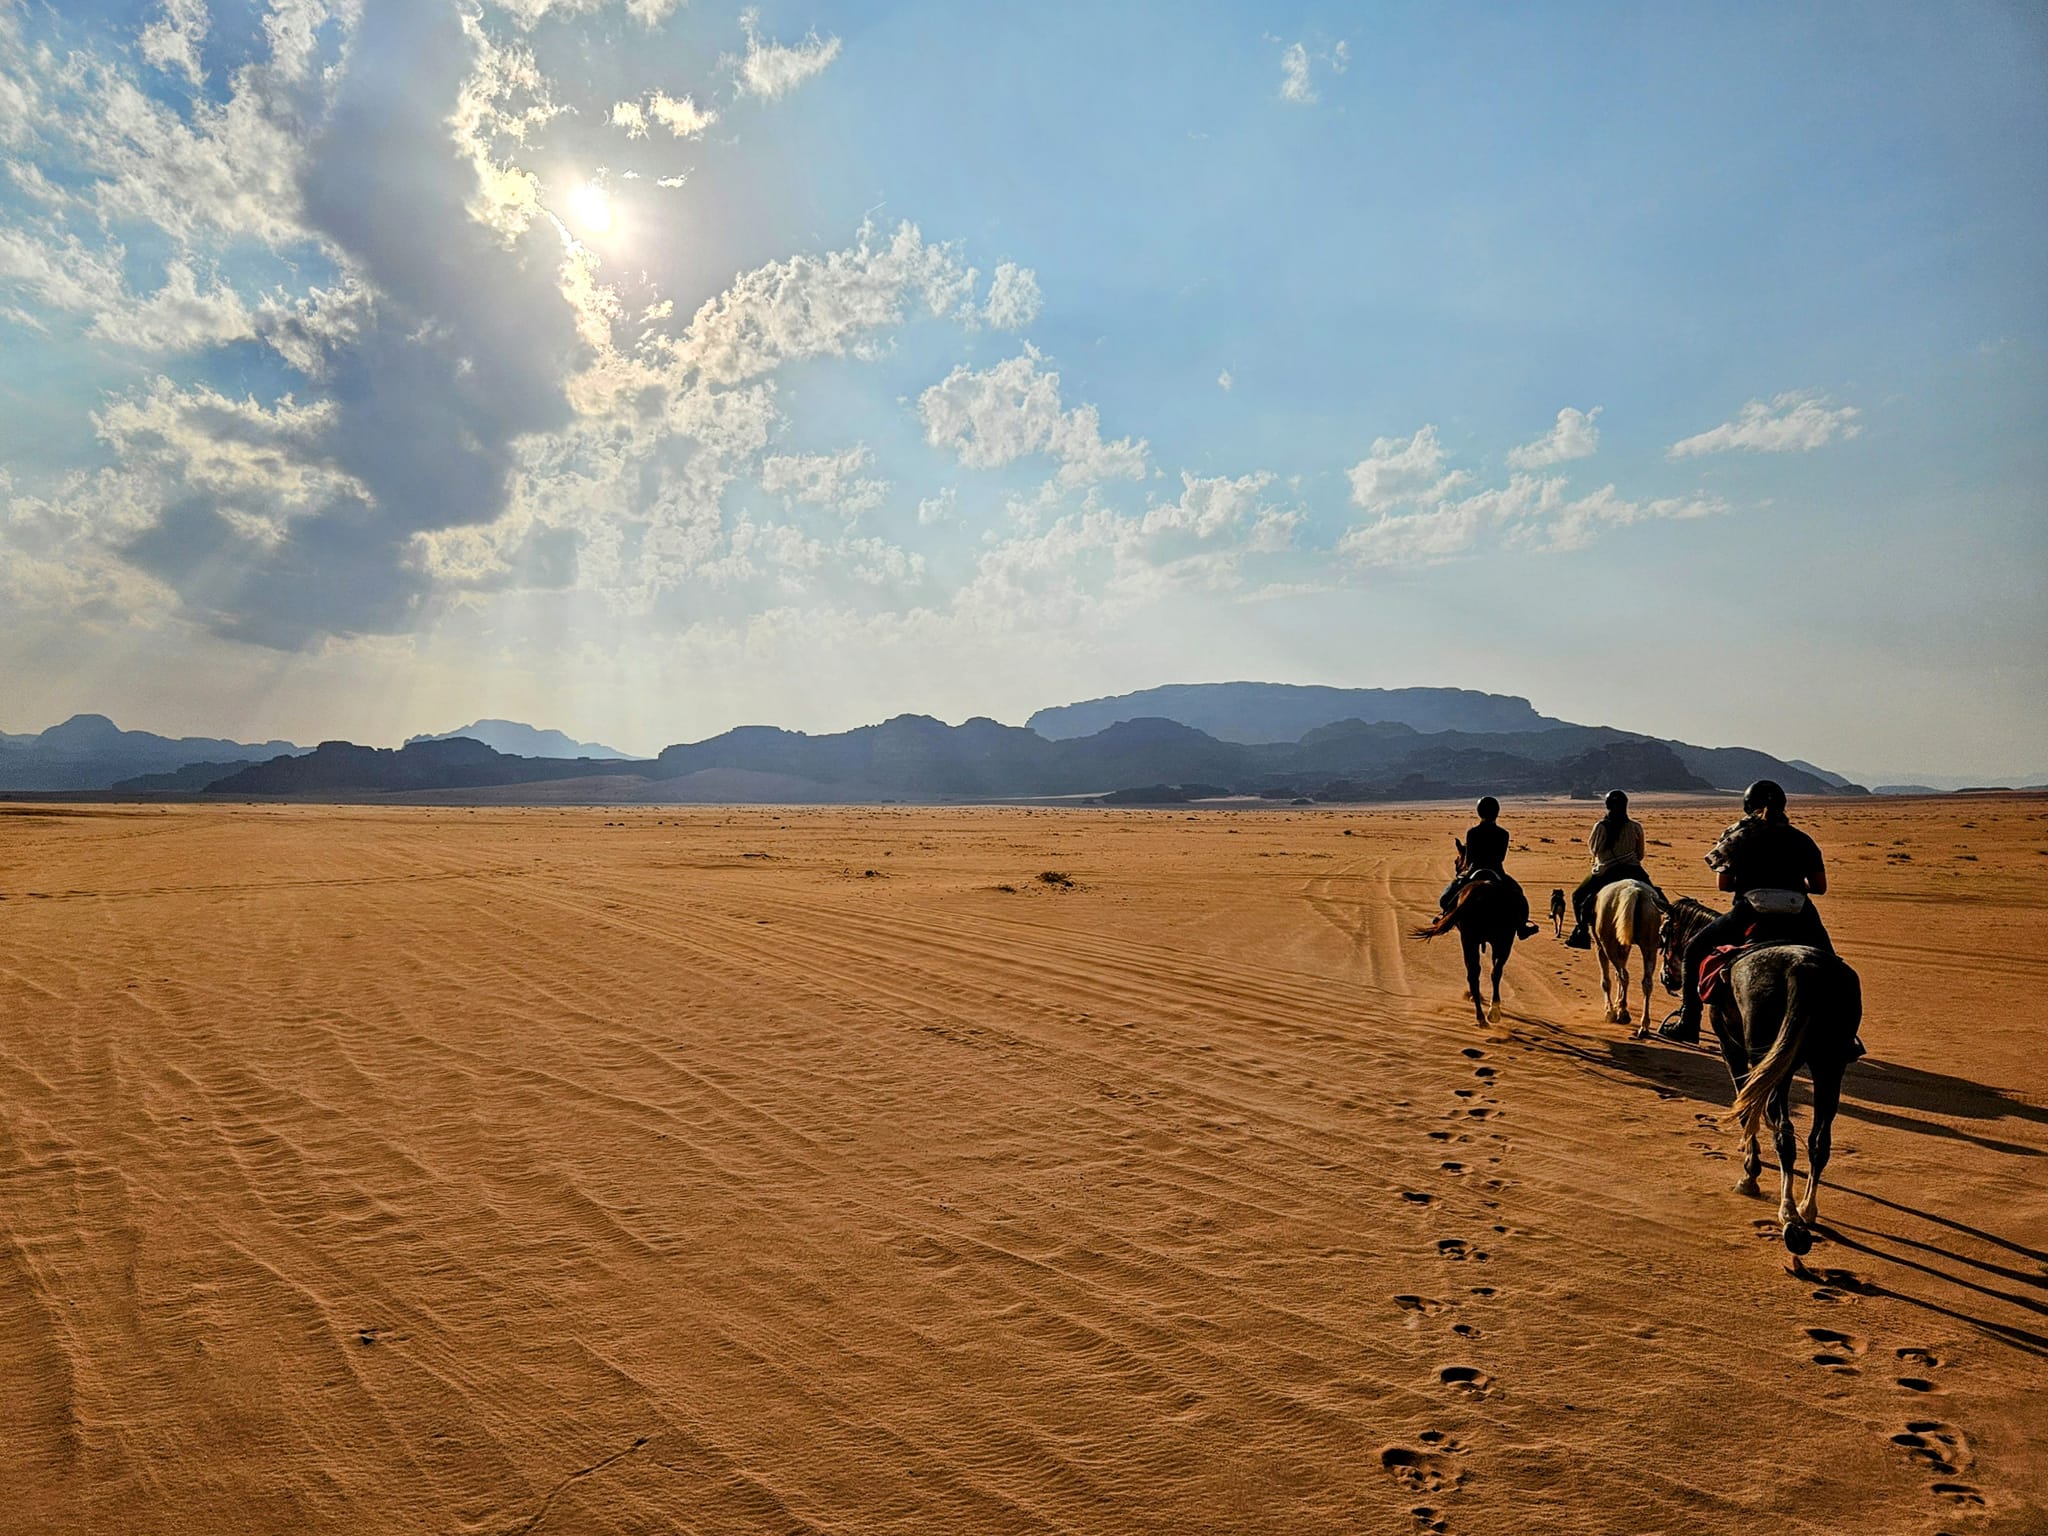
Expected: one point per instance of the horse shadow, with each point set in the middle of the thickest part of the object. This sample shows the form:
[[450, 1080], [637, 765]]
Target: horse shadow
[[1882, 1093]]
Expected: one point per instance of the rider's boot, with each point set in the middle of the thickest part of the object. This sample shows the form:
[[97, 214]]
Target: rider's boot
[[1530, 930], [1686, 1031], [1579, 938]]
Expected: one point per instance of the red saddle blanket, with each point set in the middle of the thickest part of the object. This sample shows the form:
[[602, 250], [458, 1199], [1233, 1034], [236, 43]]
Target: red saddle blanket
[[1714, 969]]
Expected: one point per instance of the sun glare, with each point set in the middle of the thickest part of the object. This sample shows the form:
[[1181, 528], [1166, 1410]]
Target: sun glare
[[590, 208]]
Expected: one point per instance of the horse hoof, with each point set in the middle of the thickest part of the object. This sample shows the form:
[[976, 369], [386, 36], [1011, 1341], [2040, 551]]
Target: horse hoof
[[1798, 1238], [1745, 1186], [1493, 1013]]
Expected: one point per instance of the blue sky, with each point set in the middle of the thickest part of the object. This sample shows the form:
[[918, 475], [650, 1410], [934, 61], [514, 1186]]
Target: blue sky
[[360, 375]]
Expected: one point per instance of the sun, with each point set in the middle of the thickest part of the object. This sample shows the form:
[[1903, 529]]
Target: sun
[[590, 208]]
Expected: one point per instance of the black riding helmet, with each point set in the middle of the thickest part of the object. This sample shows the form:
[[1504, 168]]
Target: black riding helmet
[[1764, 795], [1617, 801], [1488, 808]]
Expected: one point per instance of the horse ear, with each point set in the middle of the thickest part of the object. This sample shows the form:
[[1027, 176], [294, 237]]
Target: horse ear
[[1458, 842]]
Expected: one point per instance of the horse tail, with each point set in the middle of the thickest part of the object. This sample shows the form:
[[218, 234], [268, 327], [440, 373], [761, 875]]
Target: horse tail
[[1446, 920], [1780, 1061]]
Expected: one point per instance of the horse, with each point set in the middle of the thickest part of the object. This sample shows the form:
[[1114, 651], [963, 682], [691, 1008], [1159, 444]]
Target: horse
[[1557, 911], [1484, 912], [1625, 917], [1779, 1008]]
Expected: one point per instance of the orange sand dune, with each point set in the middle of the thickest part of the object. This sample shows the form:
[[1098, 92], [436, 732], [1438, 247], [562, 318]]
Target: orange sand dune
[[754, 1170]]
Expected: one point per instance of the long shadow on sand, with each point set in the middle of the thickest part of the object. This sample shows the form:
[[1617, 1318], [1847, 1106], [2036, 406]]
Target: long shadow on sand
[[1675, 1071], [1872, 1090]]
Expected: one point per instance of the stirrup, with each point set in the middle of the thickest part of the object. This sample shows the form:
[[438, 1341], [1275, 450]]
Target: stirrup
[[1675, 1029]]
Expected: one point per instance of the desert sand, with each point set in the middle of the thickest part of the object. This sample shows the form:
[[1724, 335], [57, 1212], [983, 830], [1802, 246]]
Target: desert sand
[[430, 1169]]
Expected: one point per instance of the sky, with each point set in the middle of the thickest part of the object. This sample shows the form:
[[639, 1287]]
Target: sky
[[640, 368]]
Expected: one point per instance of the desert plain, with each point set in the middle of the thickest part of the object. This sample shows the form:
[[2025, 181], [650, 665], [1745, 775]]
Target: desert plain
[[510, 1170]]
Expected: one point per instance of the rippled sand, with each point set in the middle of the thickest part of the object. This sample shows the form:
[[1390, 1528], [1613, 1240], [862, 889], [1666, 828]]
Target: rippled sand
[[734, 1171]]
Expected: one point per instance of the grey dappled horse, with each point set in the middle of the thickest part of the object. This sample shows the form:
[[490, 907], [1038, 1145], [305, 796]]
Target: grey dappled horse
[[1779, 1008]]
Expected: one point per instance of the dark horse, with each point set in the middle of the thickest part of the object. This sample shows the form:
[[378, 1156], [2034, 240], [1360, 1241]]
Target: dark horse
[[1483, 912], [1778, 1009]]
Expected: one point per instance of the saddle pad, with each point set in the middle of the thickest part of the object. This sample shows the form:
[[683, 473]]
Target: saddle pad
[[1715, 967]]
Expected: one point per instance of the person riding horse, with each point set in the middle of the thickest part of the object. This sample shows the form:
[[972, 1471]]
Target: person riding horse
[[1775, 871], [1486, 851], [1616, 846]]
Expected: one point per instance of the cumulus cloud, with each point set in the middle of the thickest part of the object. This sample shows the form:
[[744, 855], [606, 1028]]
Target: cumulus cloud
[[771, 69], [1575, 435], [1794, 422], [1012, 297], [1223, 380], [1294, 84], [1400, 469], [998, 415], [178, 317]]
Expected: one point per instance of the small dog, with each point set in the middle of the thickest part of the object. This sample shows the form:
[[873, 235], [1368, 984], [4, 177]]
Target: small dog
[[1557, 912]]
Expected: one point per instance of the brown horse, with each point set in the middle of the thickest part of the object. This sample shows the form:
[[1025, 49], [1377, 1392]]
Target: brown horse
[[1485, 913]]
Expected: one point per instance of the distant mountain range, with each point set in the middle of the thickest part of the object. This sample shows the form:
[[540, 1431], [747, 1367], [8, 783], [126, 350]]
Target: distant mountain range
[[519, 740], [91, 752], [1458, 743], [1262, 712]]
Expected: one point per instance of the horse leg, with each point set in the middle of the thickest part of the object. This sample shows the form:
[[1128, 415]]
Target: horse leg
[[1501, 951], [1621, 975], [1472, 974], [1735, 1054], [1827, 1097], [1606, 987], [1778, 1112]]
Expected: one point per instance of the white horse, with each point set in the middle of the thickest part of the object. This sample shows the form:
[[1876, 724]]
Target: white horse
[[1625, 917]]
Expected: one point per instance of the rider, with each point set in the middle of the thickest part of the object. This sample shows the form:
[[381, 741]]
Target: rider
[[1616, 845], [1486, 850], [1765, 861]]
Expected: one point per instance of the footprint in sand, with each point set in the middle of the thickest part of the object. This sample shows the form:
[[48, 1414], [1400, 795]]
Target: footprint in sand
[[1839, 1351], [1468, 1379], [1465, 1330], [1482, 1072], [1452, 1167], [1416, 1197], [1447, 1136], [1945, 1450], [1473, 1053], [1912, 1354], [1429, 1470], [1423, 1306], [1427, 1519], [1457, 1250]]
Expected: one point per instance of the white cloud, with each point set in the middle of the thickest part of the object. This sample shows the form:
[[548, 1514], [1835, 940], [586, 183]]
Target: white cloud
[[171, 42], [629, 116], [772, 69], [1793, 422], [1576, 435], [178, 317], [813, 306], [1223, 380], [1294, 84], [1013, 297], [996, 416], [680, 115], [831, 480], [937, 508], [1401, 469]]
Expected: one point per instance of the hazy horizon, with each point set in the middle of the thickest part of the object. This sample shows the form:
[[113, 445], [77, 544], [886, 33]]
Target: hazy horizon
[[638, 370]]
